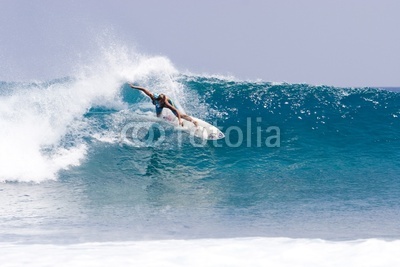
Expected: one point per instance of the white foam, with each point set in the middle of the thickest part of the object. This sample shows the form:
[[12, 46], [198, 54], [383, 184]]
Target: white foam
[[208, 252], [36, 119], [29, 123]]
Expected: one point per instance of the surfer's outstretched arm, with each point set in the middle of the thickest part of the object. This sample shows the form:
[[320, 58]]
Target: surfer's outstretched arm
[[144, 90]]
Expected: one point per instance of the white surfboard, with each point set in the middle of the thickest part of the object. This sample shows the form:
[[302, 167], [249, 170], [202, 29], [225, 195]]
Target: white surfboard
[[203, 130]]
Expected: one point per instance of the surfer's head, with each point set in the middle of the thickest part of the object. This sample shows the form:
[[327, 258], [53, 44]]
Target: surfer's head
[[158, 96]]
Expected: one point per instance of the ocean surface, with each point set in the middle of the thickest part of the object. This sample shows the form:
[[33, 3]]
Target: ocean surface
[[306, 174]]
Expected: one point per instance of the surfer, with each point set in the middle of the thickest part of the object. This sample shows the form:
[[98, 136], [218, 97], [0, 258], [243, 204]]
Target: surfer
[[162, 101]]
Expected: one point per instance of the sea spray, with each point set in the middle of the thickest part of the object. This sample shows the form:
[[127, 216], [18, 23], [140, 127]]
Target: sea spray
[[42, 122]]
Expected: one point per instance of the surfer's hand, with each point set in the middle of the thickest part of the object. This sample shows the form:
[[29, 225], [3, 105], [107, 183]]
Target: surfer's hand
[[181, 123]]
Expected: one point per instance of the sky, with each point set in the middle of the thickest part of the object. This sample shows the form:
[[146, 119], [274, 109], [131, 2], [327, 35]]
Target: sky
[[331, 42]]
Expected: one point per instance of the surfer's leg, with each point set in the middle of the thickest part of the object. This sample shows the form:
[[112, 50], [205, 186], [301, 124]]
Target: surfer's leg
[[185, 117], [188, 118]]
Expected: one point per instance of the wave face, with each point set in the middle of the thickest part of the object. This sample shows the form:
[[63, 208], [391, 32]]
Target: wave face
[[297, 161]]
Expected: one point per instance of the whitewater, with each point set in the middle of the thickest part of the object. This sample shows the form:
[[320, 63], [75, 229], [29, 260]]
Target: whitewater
[[306, 176]]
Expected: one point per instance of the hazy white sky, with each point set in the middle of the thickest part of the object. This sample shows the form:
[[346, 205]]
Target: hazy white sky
[[334, 42]]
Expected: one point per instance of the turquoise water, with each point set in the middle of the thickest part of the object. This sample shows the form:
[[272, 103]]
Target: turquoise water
[[79, 165]]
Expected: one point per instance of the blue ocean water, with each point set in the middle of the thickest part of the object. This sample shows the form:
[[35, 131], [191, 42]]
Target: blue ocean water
[[84, 159]]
